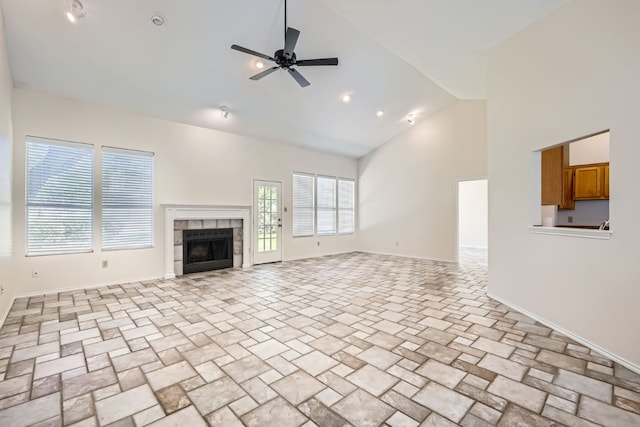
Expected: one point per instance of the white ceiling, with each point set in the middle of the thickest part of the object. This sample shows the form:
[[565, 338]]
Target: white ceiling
[[400, 56]]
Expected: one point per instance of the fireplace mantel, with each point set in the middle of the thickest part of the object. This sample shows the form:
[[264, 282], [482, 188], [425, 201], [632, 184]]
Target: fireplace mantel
[[187, 212]]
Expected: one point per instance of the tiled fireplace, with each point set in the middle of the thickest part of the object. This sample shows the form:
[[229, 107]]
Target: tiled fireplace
[[197, 217]]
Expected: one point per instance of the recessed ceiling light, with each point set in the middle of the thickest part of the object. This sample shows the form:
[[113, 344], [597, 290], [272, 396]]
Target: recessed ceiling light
[[157, 20], [346, 98], [380, 113], [259, 65]]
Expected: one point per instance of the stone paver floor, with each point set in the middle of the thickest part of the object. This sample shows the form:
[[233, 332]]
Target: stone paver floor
[[354, 339]]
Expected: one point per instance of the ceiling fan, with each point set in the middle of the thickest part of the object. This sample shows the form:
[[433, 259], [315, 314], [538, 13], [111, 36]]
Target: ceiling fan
[[286, 58]]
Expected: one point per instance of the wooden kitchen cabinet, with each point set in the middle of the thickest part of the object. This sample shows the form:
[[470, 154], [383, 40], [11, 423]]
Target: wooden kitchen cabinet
[[551, 177], [606, 181], [567, 190], [591, 182]]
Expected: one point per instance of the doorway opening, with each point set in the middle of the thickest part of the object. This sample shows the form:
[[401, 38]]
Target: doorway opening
[[473, 219]]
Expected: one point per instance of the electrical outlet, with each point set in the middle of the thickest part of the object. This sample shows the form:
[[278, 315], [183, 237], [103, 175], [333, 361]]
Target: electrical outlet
[[105, 263], [570, 219], [35, 274]]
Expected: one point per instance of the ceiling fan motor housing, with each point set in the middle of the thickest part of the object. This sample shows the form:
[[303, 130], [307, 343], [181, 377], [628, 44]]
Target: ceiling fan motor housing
[[283, 60]]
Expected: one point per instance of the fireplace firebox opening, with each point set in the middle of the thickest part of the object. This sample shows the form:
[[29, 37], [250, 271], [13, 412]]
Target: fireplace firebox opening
[[207, 249]]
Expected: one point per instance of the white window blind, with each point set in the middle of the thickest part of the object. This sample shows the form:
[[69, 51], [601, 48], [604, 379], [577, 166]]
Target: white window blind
[[303, 199], [127, 199], [326, 203], [59, 197], [346, 192]]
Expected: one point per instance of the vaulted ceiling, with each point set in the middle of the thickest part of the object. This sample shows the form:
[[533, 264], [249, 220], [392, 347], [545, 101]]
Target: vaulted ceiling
[[401, 57]]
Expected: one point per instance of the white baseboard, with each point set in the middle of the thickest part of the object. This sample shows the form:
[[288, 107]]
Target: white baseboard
[[409, 256], [629, 365]]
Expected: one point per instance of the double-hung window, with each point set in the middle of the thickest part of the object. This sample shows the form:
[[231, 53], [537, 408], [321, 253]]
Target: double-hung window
[[303, 205], [127, 199], [323, 205], [59, 197], [326, 205], [346, 206]]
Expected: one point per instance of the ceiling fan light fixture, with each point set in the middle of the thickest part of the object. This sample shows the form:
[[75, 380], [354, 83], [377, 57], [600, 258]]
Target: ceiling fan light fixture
[[346, 98], [259, 65], [75, 11]]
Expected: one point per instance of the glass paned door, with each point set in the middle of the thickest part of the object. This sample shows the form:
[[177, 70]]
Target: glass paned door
[[267, 208]]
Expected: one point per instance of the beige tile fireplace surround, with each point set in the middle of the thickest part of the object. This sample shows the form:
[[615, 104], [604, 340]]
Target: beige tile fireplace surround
[[185, 217]]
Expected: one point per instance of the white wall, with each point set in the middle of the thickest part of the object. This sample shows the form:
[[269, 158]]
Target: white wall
[[573, 73], [6, 144], [473, 221], [407, 187], [192, 166]]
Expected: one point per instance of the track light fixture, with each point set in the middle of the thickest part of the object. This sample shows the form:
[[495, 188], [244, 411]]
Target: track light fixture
[[224, 112], [75, 11]]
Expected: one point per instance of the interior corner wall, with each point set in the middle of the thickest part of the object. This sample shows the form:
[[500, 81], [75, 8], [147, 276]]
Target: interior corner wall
[[193, 165], [6, 148], [407, 187], [571, 74]]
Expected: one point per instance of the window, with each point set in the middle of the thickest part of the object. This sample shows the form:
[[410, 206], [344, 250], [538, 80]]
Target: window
[[332, 208], [303, 198], [59, 197], [326, 205], [127, 199], [346, 190]]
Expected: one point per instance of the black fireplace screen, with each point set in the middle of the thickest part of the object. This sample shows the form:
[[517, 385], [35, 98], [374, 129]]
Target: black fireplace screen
[[205, 250]]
